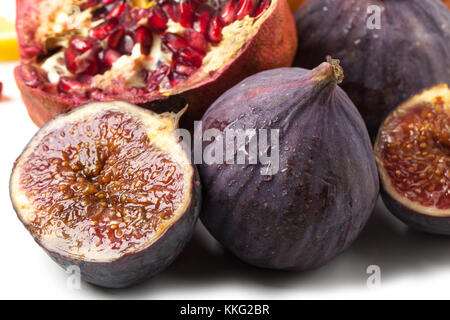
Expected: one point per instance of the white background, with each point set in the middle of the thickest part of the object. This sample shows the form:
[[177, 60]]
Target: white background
[[413, 265]]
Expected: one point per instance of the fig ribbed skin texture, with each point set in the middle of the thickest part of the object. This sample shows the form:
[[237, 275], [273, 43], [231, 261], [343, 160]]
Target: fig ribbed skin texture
[[385, 63], [326, 187]]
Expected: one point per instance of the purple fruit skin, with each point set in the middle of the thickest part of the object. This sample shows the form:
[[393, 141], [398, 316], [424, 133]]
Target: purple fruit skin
[[414, 219], [327, 186], [133, 268], [383, 67]]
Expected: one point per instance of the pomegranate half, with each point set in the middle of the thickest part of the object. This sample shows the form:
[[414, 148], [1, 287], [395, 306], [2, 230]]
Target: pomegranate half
[[108, 187], [77, 51]]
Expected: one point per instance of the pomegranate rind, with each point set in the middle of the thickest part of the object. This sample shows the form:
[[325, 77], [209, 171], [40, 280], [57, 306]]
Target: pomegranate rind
[[160, 251], [272, 44], [417, 215]]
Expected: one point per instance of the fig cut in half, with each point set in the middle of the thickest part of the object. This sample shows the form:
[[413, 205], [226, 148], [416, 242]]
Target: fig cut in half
[[78, 51], [108, 188], [413, 156]]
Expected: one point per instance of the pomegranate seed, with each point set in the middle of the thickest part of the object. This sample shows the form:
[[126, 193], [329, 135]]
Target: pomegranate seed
[[186, 10], [84, 64], [215, 30], [110, 56], [244, 8], [202, 21], [126, 44], [228, 14], [115, 37], [106, 2], [88, 4], [191, 57], [103, 30], [262, 8], [155, 77], [174, 42], [183, 69], [117, 11], [157, 20], [196, 40], [144, 37], [176, 78], [170, 9], [138, 14], [80, 45], [1, 89], [68, 84]]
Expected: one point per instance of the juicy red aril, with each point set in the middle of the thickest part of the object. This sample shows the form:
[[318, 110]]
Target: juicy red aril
[[202, 21], [262, 8], [186, 11], [157, 20], [68, 84], [114, 39], [155, 77], [196, 40], [182, 69], [104, 29], [106, 2], [191, 57], [215, 30], [244, 8], [171, 10], [110, 56], [174, 42], [176, 78], [228, 14], [117, 11], [1, 89], [80, 45], [84, 64], [88, 4], [126, 44], [144, 37], [138, 13]]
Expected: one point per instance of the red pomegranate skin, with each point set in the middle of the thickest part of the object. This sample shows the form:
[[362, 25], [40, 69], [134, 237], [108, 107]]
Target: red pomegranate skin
[[265, 50]]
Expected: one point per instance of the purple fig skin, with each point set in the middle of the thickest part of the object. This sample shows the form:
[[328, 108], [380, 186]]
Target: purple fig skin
[[327, 185], [134, 267], [383, 67], [416, 220]]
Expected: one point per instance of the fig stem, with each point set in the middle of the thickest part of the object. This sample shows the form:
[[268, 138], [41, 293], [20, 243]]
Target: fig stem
[[338, 72]]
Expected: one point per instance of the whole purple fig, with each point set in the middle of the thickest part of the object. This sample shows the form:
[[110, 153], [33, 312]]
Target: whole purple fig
[[390, 49], [326, 185]]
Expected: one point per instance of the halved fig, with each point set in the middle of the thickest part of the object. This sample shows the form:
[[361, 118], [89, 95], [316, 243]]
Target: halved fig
[[413, 156], [108, 187], [145, 51]]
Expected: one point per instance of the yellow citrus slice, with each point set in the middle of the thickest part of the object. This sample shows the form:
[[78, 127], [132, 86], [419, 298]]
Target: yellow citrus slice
[[9, 49]]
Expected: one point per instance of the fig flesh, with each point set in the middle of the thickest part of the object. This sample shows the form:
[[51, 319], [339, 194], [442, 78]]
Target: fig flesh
[[108, 188], [390, 49], [316, 204], [413, 156], [145, 51]]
